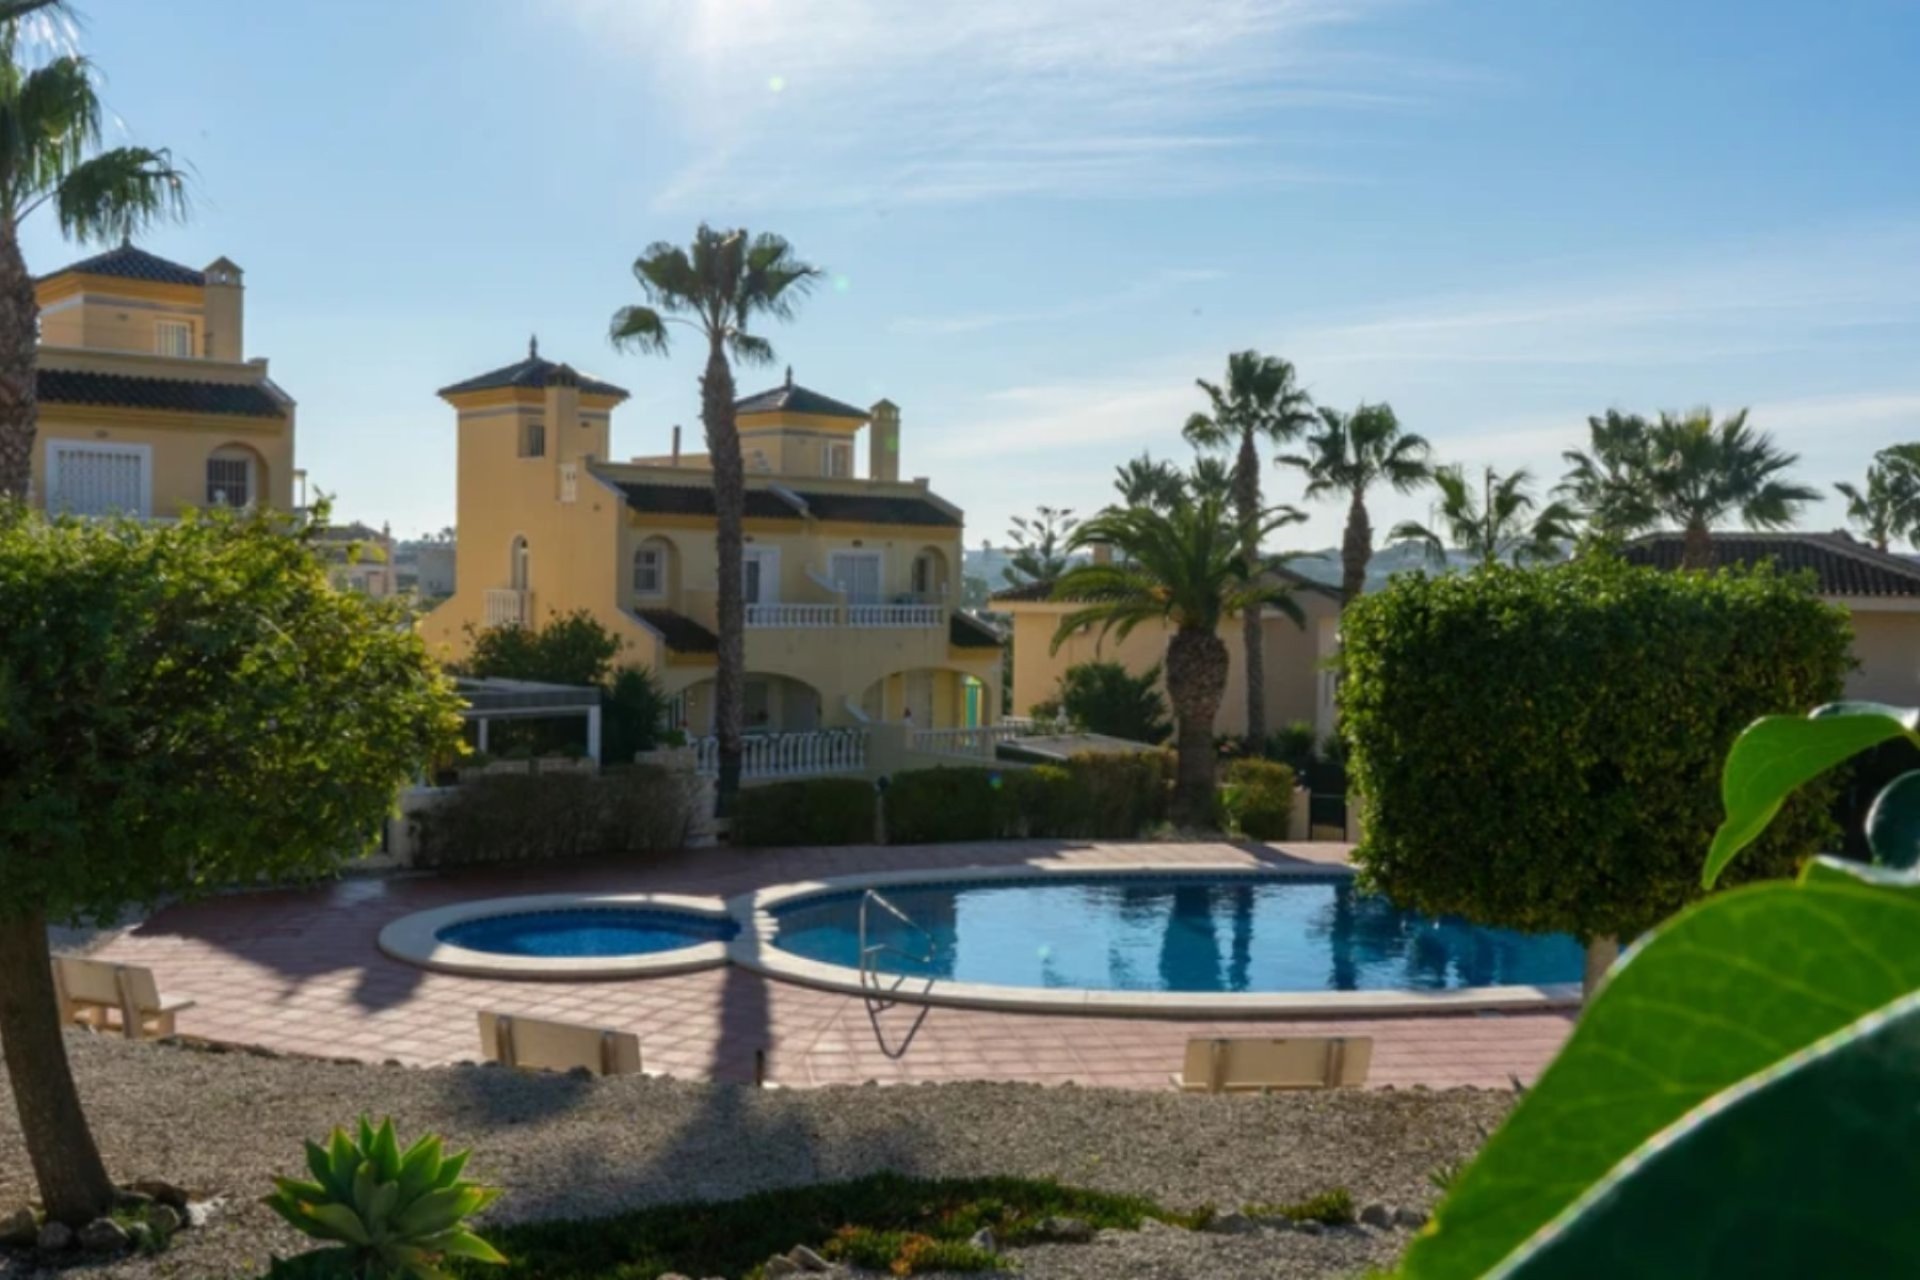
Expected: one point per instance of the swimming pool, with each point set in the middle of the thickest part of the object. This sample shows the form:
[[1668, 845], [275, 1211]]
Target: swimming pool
[[587, 931], [1198, 933]]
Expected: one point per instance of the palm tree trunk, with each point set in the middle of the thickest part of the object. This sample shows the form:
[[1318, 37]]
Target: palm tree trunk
[[19, 324], [730, 608], [1356, 549], [1697, 552], [1601, 955], [74, 1185], [1246, 498], [1196, 681]]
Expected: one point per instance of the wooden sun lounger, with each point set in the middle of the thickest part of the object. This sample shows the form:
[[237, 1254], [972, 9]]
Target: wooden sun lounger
[[537, 1043], [1307, 1062], [105, 995]]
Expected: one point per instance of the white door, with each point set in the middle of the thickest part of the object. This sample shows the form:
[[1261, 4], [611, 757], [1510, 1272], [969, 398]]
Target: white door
[[858, 574], [86, 478], [920, 698], [762, 569]]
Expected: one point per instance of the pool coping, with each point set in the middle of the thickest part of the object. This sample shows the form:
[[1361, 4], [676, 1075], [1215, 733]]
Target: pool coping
[[754, 949], [412, 939]]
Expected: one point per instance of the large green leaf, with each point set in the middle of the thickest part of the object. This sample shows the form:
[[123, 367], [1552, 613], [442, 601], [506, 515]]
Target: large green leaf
[[1806, 1170], [1699, 1017], [1778, 754]]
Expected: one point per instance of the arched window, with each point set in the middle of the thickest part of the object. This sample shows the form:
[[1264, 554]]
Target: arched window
[[520, 566], [650, 569], [233, 477]]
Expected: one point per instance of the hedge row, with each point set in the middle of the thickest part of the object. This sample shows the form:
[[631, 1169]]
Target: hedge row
[[1257, 798], [1098, 795], [526, 817]]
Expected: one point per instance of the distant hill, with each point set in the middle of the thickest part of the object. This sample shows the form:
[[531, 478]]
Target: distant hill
[[1322, 566]]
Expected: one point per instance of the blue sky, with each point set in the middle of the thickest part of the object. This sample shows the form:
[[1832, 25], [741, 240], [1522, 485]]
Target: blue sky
[[1043, 220]]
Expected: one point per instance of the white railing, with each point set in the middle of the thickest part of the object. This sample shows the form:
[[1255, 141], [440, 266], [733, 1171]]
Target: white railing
[[896, 615], [791, 755], [507, 607], [792, 615], [977, 743]]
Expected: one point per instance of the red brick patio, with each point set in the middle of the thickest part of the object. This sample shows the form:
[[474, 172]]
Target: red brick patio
[[299, 971]]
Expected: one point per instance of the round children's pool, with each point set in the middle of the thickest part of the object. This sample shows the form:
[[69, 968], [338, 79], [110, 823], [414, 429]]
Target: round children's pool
[[1177, 933], [572, 932]]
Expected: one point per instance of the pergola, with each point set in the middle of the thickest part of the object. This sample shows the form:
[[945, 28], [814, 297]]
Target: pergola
[[496, 699]]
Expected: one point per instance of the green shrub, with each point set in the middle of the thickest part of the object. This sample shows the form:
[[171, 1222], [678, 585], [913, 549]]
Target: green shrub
[[928, 806], [1293, 745], [1104, 697], [1540, 749], [529, 817], [1041, 802], [880, 1212], [1333, 1207], [815, 811], [391, 1214], [1257, 798], [1120, 794]]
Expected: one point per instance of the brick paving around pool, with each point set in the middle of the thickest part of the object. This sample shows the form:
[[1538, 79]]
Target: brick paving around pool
[[298, 971]]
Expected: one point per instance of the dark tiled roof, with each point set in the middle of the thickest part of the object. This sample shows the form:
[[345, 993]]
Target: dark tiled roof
[[682, 634], [130, 263], [1842, 566], [964, 631], [1035, 592], [535, 372], [73, 386], [792, 399], [766, 504]]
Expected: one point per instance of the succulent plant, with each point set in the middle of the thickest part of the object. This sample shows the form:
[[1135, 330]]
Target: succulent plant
[[392, 1214]]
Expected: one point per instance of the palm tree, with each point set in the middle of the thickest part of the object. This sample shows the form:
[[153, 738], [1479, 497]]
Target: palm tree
[[721, 284], [1501, 522], [1887, 506], [1606, 481], [1351, 453], [1182, 567], [1261, 402], [1143, 482], [1702, 473], [1040, 546], [50, 156]]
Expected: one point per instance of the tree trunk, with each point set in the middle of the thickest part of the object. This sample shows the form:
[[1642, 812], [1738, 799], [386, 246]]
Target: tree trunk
[[1601, 953], [730, 608], [1246, 498], [19, 408], [1356, 549], [1196, 680], [1697, 552], [74, 1185]]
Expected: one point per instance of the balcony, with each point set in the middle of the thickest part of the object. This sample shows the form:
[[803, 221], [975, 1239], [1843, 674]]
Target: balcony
[[863, 616], [508, 607]]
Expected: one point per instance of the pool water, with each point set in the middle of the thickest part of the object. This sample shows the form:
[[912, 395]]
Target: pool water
[[587, 931], [1192, 933]]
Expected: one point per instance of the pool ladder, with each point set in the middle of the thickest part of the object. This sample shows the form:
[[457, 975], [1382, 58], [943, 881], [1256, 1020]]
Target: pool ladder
[[870, 978]]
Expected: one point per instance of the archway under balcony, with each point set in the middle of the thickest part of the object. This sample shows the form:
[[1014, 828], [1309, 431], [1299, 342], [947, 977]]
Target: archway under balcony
[[931, 577], [772, 703], [930, 698]]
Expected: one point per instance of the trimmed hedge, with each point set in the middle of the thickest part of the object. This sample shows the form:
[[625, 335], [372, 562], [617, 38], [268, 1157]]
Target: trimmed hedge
[[1257, 798], [544, 817], [810, 812], [924, 806], [1541, 749], [1095, 795]]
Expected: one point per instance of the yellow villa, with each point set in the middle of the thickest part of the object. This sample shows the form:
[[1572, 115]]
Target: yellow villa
[[851, 581], [148, 402]]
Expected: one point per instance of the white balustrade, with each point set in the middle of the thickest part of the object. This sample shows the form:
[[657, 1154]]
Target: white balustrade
[[507, 607], [790, 755], [978, 742], [792, 615], [896, 615]]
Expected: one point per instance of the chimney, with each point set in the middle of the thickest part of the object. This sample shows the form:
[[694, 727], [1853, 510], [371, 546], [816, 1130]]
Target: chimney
[[224, 321], [676, 444], [883, 441], [564, 443]]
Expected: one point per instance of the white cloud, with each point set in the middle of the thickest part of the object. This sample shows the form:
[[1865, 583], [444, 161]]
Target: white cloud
[[1155, 285], [829, 102]]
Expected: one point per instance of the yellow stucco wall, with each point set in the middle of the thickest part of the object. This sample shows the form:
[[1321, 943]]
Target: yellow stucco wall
[[1886, 643], [1294, 660], [179, 447]]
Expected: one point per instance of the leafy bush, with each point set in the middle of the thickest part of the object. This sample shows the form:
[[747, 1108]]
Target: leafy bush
[[1737, 1098], [1257, 798], [632, 707], [1104, 697], [926, 806], [1040, 802], [527, 817], [1294, 745], [734, 1237], [811, 812], [1538, 749], [1120, 794], [394, 1215], [571, 648]]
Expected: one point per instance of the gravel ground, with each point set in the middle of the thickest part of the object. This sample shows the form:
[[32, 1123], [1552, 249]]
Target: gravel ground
[[222, 1123]]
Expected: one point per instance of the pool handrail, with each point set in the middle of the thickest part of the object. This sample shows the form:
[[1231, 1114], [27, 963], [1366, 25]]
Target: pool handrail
[[869, 972]]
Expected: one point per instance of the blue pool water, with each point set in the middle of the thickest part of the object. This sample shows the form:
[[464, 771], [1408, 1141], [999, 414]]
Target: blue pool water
[[587, 931], [1175, 933]]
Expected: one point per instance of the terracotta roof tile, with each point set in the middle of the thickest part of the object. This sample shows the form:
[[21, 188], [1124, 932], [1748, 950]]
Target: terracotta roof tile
[[1843, 566]]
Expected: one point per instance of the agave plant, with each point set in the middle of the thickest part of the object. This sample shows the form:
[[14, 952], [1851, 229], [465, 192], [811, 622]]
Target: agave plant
[[394, 1215]]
